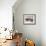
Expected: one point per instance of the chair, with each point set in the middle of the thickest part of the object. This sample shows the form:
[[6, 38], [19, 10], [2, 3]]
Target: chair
[[29, 43], [18, 39]]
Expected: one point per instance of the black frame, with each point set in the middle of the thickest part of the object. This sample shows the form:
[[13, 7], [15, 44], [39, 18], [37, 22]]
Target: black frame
[[29, 23]]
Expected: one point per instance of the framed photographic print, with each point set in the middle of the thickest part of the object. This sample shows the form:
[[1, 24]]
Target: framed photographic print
[[29, 19]]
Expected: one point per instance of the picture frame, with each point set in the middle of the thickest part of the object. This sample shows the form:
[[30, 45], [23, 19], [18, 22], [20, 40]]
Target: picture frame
[[29, 19]]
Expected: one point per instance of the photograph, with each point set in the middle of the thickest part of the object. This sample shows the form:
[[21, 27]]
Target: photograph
[[29, 19]]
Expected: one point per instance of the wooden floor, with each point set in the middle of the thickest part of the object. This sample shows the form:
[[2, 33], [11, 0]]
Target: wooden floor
[[9, 43]]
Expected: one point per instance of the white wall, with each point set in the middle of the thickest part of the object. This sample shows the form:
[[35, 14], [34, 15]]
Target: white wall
[[6, 13], [43, 22], [30, 31]]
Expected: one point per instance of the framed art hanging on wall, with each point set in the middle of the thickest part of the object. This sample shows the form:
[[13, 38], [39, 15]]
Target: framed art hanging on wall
[[29, 19]]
